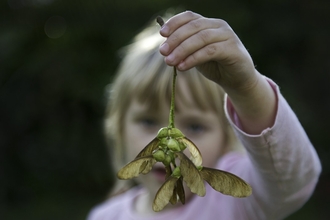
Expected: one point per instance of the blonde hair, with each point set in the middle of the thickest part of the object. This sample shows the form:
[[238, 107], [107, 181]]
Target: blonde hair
[[144, 75]]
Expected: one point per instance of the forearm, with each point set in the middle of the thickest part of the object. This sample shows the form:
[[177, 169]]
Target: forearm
[[284, 166]]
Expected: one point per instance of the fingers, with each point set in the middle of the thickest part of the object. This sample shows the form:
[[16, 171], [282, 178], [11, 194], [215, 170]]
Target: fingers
[[199, 57], [200, 27], [206, 45], [177, 21], [193, 40]]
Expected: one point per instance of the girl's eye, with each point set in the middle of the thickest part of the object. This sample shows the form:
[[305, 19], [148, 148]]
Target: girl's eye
[[195, 129], [148, 123]]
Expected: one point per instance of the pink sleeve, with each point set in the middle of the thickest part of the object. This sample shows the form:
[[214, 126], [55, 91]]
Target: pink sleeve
[[283, 167]]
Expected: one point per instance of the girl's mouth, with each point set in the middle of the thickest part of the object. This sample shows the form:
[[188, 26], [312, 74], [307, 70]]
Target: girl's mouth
[[159, 173]]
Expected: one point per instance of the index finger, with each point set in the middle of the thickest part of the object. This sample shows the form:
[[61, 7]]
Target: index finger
[[177, 21]]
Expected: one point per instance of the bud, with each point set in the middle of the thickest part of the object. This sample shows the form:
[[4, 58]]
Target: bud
[[159, 155]]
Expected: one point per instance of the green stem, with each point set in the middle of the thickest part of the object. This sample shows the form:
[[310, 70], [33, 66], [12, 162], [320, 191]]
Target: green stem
[[160, 21], [171, 118]]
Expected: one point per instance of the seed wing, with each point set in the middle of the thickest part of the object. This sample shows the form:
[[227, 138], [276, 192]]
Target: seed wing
[[147, 165], [196, 156], [191, 175], [133, 169], [164, 194], [147, 150], [226, 183], [180, 191], [174, 197], [168, 170]]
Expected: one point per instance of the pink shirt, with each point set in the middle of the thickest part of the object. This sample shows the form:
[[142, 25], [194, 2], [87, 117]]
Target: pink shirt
[[281, 165]]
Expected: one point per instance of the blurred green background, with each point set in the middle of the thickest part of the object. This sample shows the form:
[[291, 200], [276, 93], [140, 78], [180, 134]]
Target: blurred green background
[[57, 56]]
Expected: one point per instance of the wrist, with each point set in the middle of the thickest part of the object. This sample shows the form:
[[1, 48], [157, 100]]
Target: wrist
[[255, 106]]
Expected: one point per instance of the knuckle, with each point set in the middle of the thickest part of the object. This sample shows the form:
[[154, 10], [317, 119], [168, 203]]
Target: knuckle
[[222, 22], [181, 49], [224, 25], [193, 57], [191, 14], [192, 60], [204, 36], [195, 24], [211, 50], [174, 39]]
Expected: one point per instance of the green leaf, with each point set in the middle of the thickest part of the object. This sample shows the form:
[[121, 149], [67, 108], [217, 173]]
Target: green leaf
[[133, 169], [226, 183]]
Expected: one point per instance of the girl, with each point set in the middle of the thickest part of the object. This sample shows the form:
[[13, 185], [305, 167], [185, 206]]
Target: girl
[[236, 116]]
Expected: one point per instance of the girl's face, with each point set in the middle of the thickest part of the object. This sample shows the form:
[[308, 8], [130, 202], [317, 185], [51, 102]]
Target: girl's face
[[204, 128]]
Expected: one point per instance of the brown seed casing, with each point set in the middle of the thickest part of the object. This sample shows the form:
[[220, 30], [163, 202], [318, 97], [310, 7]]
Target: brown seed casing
[[160, 21]]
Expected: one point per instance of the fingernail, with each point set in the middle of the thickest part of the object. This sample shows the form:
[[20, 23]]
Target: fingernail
[[164, 30], [170, 58], [181, 65], [164, 48]]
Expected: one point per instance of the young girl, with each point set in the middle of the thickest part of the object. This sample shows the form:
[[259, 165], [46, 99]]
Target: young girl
[[237, 117]]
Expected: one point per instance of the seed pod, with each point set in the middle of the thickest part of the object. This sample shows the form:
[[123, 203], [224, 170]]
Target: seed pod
[[160, 21], [162, 133], [173, 145], [171, 154], [159, 155], [167, 160], [176, 172], [175, 133], [182, 145], [163, 142]]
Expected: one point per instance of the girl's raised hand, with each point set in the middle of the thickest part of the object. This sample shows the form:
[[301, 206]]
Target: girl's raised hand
[[214, 49], [211, 46]]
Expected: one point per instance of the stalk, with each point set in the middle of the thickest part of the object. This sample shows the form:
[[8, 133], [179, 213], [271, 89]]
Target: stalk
[[160, 21], [172, 108]]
